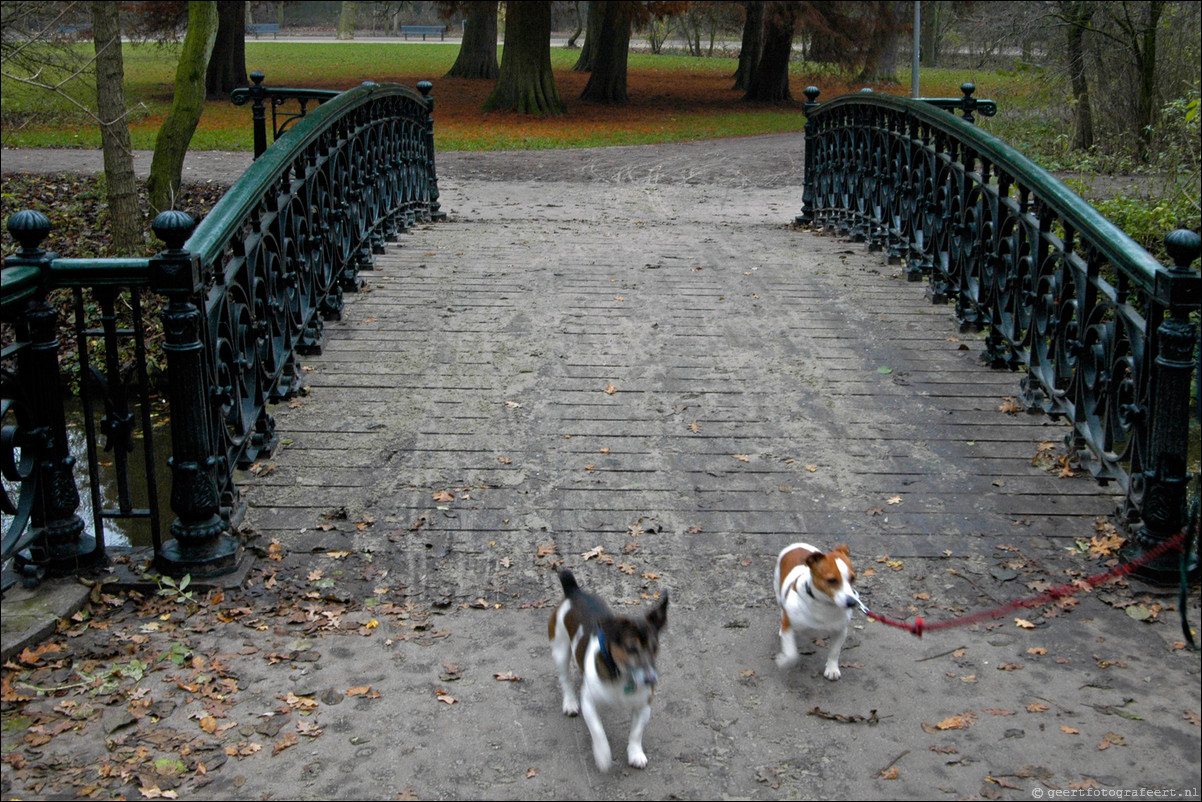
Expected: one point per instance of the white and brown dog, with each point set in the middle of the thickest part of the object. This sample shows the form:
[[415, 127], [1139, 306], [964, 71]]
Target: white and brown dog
[[815, 591], [616, 656]]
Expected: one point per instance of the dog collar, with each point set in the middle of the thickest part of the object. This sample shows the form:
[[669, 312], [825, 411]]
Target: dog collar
[[809, 591], [606, 657]]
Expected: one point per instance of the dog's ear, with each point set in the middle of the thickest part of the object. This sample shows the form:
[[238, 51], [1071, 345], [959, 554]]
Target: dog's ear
[[815, 558], [658, 617], [842, 549]]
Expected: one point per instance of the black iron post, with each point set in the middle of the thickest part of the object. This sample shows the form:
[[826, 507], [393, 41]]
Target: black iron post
[[1165, 480], [807, 187], [968, 103], [258, 111], [62, 547], [201, 547], [436, 212]]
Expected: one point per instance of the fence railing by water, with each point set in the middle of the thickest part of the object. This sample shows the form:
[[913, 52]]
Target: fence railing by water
[[1105, 336], [246, 290]]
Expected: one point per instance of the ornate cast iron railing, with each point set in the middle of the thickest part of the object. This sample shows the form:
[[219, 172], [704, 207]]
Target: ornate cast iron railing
[[246, 291], [1105, 335]]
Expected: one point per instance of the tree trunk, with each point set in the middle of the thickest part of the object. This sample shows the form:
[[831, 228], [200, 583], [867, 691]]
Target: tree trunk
[[596, 8], [880, 57], [1078, 15], [571, 44], [478, 52], [1147, 104], [121, 188], [186, 107], [346, 20], [227, 65], [526, 83], [769, 81], [753, 43], [607, 84]]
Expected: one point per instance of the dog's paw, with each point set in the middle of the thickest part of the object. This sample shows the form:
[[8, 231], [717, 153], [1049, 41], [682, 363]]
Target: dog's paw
[[571, 707], [603, 759], [785, 660], [832, 672], [636, 757]]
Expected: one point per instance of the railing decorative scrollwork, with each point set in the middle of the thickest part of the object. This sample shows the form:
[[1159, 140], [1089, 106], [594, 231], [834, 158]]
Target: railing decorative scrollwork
[[247, 290], [1106, 337]]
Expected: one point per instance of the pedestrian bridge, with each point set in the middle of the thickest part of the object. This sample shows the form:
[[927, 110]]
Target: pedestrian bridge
[[679, 352]]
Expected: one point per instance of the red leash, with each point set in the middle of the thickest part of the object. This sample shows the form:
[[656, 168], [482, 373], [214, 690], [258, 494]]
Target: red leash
[[1050, 595]]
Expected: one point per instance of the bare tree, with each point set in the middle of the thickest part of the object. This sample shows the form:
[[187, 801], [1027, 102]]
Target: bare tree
[[166, 167], [121, 187]]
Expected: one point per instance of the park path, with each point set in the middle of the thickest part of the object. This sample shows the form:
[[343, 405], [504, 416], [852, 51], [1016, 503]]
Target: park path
[[625, 361]]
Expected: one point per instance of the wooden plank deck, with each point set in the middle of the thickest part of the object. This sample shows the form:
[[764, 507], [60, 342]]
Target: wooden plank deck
[[656, 367]]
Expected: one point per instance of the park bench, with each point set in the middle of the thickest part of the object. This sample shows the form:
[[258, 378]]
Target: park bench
[[424, 30], [256, 28]]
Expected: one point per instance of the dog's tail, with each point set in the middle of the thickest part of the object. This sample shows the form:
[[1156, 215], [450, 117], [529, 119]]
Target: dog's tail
[[568, 580]]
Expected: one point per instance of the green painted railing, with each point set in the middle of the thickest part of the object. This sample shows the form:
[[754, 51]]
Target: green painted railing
[[1105, 336], [246, 290]]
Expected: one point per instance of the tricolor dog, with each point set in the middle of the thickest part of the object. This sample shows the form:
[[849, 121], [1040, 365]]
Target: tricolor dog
[[815, 592], [616, 657]]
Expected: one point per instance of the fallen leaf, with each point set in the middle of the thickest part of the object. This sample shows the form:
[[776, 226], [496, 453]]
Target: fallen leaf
[[741, 457], [1037, 707], [610, 389], [890, 773], [894, 500], [443, 495], [287, 740], [1111, 739], [506, 676], [443, 696], [1010, 405], [1024, 623], [965, 719], [1069, 730]]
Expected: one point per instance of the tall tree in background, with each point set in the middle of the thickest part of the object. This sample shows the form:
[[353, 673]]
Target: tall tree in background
[[176, 134], [526, 83], [892, 19], [227, 65], [120, 186], [753, 42], [596, 9], [1076, 16], [769, 80], [478, 52], [346, 20], [611, 46], [607, 83]]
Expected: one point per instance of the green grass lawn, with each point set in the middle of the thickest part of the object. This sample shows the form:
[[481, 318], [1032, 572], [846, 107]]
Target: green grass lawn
[[674, 98]]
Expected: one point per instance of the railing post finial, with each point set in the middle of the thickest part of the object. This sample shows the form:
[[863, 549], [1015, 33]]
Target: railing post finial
[[968, 103]]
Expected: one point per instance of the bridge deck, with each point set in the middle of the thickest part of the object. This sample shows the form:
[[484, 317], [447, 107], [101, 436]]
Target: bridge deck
[[639, 363]]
